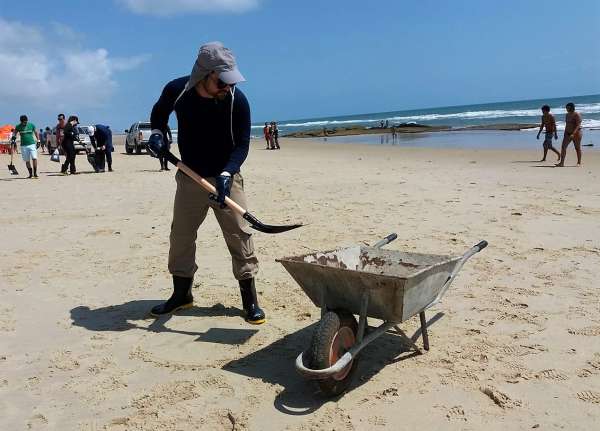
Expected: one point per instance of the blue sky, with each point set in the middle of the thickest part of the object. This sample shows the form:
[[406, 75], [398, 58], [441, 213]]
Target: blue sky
[[108, 60]]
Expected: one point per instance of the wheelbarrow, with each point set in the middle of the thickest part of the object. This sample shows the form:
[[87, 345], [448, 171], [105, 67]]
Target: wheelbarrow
[[370, 282]]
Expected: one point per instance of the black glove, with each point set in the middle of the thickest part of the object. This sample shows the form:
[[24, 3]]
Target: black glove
[[156, 145], [223, 186]]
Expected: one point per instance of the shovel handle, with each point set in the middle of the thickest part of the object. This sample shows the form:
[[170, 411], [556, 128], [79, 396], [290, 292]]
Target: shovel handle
[[209, 187]]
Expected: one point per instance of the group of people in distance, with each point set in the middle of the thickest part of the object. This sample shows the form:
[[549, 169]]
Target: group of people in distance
[[271, 133], [66, 133], [573, 132]]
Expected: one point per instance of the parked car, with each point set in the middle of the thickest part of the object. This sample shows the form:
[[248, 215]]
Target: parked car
[[137, 136], [80, 145]]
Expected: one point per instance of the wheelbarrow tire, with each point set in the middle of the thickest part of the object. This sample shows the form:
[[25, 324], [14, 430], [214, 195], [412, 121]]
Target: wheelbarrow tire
[[335, 327]]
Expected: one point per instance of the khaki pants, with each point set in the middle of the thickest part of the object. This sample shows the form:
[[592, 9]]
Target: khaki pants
[[190, 209]]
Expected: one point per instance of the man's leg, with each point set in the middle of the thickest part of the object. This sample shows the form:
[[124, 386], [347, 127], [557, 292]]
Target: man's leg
[[100, 161], [238, 238], [35, 175], [109, 160], [563, 151], [555, 151], [72, 156], [28, 164], [189, 211], [577, 142], [545, 145]]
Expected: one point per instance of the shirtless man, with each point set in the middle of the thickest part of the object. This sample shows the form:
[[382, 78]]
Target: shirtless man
[[572, 133], [550, 124]]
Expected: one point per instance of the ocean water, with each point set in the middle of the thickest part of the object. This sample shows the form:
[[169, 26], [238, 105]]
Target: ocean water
[[524, 111]]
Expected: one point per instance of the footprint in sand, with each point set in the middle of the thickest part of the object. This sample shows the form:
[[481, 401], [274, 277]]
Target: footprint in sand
[[590, 331], [589, 396], [7, 322], [36, 421], [584, 372], [63, 360], [501, 399], [456, 413], [551, 374]]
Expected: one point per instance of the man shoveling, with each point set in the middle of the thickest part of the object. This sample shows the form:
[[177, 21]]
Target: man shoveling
[[214, 135]]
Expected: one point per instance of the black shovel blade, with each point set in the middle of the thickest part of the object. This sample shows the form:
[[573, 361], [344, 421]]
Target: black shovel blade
[[13, 170], [261, 227]]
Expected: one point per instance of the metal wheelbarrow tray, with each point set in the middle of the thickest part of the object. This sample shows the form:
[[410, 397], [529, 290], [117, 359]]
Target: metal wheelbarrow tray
[[369, 282]]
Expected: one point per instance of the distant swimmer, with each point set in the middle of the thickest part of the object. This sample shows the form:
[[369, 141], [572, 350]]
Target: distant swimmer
[[549, 123], [572, 133]]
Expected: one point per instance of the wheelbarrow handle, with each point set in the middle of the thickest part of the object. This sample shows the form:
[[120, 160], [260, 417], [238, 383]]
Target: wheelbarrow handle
[[483, 244], [468, 254], [385, 240]]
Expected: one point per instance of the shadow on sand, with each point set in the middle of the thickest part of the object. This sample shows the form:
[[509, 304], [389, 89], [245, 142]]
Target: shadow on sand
[[118, 318], [275, 364]]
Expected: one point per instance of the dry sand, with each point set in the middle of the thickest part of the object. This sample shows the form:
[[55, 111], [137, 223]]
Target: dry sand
[[83, 259]]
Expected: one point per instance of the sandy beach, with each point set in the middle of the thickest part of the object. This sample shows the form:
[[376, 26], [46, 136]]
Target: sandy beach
[[515, 344]]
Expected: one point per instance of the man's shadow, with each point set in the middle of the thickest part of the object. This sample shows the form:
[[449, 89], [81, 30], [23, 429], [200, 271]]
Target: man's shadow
[[118, 318], [275, 364]]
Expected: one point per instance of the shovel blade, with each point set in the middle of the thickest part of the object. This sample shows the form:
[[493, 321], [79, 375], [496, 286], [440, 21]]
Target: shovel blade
[[12, 169], [266, 228]]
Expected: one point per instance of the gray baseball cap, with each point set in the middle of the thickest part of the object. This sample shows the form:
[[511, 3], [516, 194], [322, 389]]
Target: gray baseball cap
[[213, 56]]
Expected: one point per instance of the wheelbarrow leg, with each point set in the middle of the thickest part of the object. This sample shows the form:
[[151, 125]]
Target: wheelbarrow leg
[[409, 342], [362, 318], [424, 330]]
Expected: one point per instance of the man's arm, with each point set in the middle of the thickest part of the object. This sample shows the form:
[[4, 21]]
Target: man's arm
[[241, 133], [541, 127], [553, 125], [577, 123], [159, 119]]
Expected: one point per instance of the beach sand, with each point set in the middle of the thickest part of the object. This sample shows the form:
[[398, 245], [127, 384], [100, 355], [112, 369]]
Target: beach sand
[[515, 344]]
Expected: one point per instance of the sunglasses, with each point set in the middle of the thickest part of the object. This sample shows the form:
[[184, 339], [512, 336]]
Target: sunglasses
[[221, 85]]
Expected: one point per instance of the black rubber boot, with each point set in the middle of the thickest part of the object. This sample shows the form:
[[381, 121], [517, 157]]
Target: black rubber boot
[[180, 299], [254, 314]]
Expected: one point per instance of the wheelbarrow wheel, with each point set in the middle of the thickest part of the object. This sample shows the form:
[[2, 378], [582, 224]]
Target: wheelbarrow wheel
[[334, 336]]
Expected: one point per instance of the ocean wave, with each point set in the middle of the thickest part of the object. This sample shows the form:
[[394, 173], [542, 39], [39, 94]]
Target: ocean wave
[[590, 108]]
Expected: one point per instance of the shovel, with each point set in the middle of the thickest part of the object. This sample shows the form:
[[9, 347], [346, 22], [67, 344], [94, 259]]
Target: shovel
[[11, 167], [254, 222]]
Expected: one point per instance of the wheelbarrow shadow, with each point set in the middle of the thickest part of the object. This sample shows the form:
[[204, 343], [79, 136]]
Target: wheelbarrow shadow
[[127, 316], [275, 364]]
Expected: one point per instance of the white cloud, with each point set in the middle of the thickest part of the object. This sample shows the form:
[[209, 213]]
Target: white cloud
[[175, 7], [54, 70]]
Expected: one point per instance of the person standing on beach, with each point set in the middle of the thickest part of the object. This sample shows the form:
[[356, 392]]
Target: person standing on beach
[[572, 133], [267, 133], [549, 123], [164, 163], [60, 131], [48, 139], [214, 139], [275, 134], [42, 140], [13, 141], [102, 136], [29, 143], [70, 135]]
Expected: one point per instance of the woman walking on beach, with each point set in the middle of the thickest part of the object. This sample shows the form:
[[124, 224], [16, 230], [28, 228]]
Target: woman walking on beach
[[572, 133]]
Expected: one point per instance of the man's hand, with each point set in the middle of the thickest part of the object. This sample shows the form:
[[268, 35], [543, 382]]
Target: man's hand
[[555, 136], [538, 136], [156, 144], [223, 186]]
